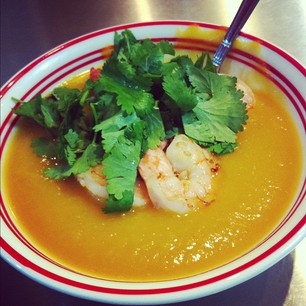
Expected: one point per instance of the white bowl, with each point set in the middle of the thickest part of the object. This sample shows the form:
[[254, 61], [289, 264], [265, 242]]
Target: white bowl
[[79, 55]]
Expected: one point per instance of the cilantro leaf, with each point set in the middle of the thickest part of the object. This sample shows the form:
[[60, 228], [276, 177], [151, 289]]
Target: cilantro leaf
[[219, 115], [66, 97], [176, 88], [104, 107], [131, 99], [90, 157], [120, 169], [114, 205], [43, 147], [70, 150], [58, 172], [72, 138], [155, 131], [204, 62], [114, 127], [225, 102], [33, 110], [183, 61], [223, 148], [123, 41], [122, 71], [149, 57], [50, 113], [207, 132]]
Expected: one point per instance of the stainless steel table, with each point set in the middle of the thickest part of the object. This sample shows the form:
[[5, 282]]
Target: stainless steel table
[[32, 27]]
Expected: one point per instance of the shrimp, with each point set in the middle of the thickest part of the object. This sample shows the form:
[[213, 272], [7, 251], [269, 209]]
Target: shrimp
[[179, 179], [248, 95], [95, 182]]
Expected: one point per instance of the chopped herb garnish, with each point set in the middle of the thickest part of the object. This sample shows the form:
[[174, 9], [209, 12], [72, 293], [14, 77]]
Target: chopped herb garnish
[[136, 100]]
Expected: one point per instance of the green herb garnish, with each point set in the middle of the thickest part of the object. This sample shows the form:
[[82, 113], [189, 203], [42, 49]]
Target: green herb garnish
[[138, 100]]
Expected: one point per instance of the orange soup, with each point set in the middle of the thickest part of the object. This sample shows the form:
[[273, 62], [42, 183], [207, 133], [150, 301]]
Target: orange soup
[[253, 192]]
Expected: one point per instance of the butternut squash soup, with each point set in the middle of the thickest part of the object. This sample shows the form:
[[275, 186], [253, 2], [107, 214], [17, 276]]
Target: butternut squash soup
[[253, 188]]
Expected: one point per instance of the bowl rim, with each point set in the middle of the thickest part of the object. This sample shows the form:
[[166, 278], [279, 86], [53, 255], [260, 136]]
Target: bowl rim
[[121, 27], [299, 231]]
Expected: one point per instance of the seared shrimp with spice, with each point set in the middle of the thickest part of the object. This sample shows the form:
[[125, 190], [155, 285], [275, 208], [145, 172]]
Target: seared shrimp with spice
[[95, 182], [180, 178]]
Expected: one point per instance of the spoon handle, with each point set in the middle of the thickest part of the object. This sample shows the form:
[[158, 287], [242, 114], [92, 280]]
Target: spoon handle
[[244, 11]]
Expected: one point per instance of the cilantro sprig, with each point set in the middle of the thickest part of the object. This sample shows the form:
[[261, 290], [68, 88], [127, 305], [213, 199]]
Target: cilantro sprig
[[138, 100]]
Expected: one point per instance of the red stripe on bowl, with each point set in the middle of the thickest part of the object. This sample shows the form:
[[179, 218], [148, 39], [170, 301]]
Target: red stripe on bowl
[[25, 262]]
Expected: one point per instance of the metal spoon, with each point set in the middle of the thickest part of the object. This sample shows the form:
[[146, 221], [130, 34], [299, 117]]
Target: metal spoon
[[244, 11]]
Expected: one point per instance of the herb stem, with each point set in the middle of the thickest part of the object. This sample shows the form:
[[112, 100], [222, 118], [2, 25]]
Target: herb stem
[[94, 112]]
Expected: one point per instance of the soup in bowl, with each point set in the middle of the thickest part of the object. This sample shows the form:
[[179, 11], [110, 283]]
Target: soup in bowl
[[175, 245]]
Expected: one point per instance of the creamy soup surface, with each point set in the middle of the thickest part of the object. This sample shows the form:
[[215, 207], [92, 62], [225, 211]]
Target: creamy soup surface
[[254, 188]]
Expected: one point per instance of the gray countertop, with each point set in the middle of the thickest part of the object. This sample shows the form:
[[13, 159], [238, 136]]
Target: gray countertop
[[31, 27]]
